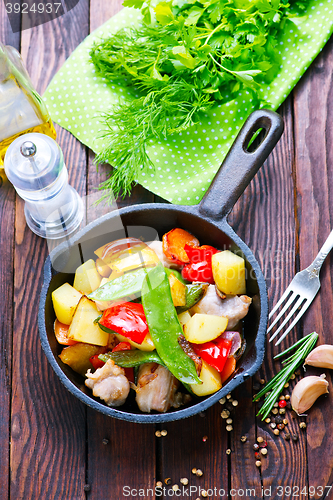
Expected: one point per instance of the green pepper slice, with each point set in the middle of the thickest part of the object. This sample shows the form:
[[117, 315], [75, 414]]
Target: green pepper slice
[[176, 273], [125, 285], [194, 293], [128, 359], [164, 326]]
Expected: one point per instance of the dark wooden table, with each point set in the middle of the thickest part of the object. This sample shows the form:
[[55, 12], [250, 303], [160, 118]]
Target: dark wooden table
[[54, 447]]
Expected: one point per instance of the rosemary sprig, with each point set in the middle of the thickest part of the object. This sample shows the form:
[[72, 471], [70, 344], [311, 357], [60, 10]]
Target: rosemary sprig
[[276, 384]]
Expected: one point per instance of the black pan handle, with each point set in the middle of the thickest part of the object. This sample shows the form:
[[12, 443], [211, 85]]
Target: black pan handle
[[240, 165]]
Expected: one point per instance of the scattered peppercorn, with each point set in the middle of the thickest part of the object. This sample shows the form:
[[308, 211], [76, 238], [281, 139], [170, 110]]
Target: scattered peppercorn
[[276, 404], [229, 428], [229, 406], [286, 385], [289, 405], [159, 484], [263, 444], [167, 480], [260, 439], [204, 439], [276, 432], [273, 425], [225, 413], [105, 441], [282, 411], [256, 386], [262, 381], [278, 419], [86, 487], [255, 447], [302, 425], [293, 376], [229, 420], [280, 427], [281, 398], [257, 454], [158, 434], [175, 487], [287, 397], [235, 402], [282, 403], [287, 436], [263, 451], [199, 473], [243, 439], [164, 433], [194, 470], [267, 420], [229, 395], [222, 401], [184, 481], [275, 411], [228, 451], [258, 463], [204, 493], [295, 437], [298, 372], [285, 421]]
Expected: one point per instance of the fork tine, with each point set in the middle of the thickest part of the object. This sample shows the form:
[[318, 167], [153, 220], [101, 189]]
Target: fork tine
[[291, 313], [302, 311], [292, 299], [280, 302]]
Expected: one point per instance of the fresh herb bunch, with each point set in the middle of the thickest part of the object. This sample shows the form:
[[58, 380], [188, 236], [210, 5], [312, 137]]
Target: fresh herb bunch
[[187, 55], [276, 384]]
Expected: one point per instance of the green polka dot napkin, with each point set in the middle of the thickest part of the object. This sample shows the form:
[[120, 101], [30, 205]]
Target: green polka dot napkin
[[185, 163]]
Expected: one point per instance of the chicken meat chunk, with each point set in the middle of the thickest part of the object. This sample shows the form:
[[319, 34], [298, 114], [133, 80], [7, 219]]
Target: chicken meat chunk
[[156, 388], [233, 307], [109, 383], [158, 249]]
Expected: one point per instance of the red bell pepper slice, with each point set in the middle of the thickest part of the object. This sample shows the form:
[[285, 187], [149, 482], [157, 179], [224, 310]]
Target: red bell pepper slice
[[215, 353], [97, 363], [125, 346], [200, 267], [122, 346], [128, 319]]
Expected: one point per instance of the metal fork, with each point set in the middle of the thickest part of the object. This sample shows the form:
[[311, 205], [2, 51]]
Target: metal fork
[[300, 293]]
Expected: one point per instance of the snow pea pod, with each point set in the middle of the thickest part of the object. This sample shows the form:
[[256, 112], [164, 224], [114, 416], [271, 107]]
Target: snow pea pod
[[123, 286], [164, 326], [128, 359]]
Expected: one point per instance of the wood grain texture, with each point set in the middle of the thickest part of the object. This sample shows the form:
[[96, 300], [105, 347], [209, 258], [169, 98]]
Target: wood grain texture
[[314, 170], [48, 445], [7, 234]]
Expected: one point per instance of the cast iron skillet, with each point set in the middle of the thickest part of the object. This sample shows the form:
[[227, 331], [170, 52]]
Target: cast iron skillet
[[207, 221]]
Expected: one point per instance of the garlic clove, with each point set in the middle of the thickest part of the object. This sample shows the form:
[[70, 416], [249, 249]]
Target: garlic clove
[[321, 356], [306, 391]]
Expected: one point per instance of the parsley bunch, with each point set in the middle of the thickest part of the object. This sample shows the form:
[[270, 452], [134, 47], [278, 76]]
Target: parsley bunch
[[187, 55]]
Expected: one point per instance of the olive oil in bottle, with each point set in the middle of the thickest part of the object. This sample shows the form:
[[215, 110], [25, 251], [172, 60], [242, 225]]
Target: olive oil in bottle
[[21, 108]]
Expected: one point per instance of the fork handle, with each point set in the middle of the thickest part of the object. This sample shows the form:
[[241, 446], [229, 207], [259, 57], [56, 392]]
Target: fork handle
[[315, 266]]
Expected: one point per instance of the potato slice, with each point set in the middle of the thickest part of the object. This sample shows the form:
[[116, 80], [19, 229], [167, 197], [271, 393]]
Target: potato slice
[[184, 317], [87, 279], [211, 381], [202, 328], [178, 291], [65, 299], [146, 345], [83, 328], [229, 273], [77, 356], [133, 259]]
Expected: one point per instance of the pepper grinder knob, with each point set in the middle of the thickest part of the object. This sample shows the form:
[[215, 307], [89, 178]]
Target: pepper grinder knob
[[28, 149], [34, 164]]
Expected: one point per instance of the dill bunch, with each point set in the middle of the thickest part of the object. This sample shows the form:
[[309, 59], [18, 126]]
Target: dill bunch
[[186, 56]]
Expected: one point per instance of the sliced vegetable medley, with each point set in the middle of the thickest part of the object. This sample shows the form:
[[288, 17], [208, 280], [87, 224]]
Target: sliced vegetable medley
[[162, 318]]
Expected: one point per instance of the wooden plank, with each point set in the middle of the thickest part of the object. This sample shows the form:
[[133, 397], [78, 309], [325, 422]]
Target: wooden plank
[[197, 442], [314, 171], [115, 443], [7, 232], [268, 228], [48, 424]]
